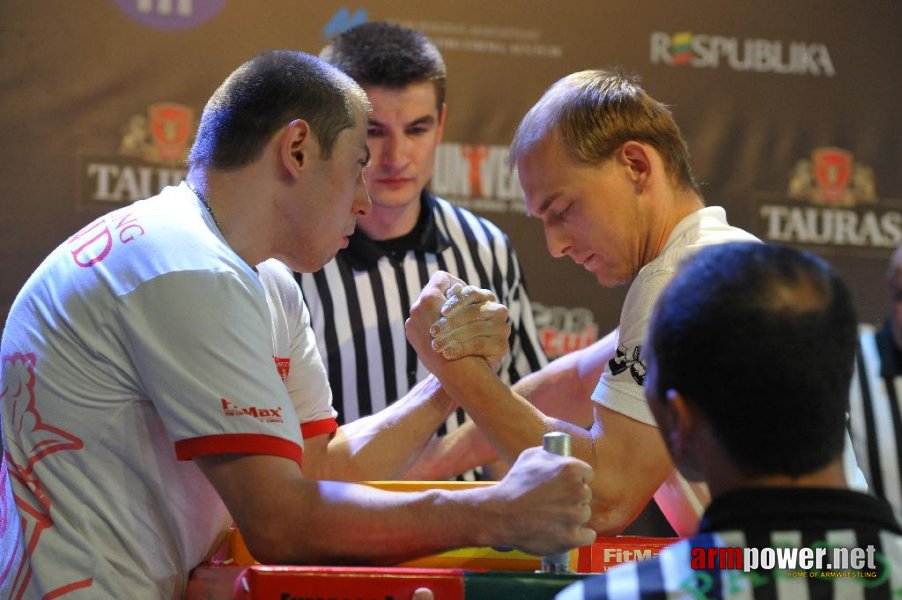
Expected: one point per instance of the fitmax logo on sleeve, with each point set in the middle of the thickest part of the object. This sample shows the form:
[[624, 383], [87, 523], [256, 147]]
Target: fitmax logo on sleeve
[[264, 415]]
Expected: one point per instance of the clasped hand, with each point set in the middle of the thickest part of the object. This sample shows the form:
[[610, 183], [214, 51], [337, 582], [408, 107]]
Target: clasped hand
[[452, 320]]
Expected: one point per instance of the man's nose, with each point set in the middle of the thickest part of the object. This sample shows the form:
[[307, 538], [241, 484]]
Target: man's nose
[[557, 241], [394, 151], [362, 203]]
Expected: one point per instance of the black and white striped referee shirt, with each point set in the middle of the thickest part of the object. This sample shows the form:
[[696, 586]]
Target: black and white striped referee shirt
[[359, 301], [875, 413], [768, 520]]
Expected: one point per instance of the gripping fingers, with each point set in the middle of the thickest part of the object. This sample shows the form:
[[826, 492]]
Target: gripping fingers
[[463, 295], [463, 315], [485, 337]]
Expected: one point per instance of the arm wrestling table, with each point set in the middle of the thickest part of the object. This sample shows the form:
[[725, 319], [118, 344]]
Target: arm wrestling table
[[465, 573]]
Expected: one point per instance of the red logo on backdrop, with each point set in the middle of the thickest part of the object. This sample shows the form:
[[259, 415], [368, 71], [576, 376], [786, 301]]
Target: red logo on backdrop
[[831, 201], [170, 126], [475, 154], [151, 156], [832, 177], [162, 136], [833, 172], [564, 329]]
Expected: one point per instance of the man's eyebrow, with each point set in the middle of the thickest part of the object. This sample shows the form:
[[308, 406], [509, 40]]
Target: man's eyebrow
[[424, 120], [546, 203]]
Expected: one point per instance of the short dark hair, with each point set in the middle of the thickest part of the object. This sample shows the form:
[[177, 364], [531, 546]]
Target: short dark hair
[[595, 112], [385, 54], [265, 94], [762, 338]]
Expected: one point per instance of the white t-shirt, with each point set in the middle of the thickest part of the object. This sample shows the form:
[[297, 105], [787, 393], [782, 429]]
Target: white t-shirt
[[139, 343], [294, 349], [621, 385]]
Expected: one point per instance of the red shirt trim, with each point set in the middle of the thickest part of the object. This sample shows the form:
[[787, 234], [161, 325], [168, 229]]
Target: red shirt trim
[[315, 428], [238, 443]]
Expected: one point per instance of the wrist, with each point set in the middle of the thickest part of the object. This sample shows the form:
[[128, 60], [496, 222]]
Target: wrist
[[492, 513]]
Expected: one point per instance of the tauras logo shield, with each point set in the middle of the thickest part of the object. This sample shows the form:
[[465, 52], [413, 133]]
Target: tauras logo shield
[[170, 126], [833, 171]]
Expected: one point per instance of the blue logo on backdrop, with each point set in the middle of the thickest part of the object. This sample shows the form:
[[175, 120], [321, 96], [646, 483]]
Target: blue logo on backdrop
[[171, 14], [343, 20]]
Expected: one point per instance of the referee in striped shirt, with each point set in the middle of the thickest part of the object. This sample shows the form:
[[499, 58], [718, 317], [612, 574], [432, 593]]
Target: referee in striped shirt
[[876, 402], [751, 356], [359, 302]]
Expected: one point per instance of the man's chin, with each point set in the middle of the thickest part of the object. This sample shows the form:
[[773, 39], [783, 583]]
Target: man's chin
[[307, 265], [608, 281], [396, 197]]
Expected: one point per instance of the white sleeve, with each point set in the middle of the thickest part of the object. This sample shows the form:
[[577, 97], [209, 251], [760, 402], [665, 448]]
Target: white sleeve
[[295, 352], [201, 347], [621, 385]]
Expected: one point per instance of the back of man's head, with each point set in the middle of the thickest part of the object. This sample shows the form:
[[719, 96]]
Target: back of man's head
[[266, 93], [387, 55], [761, 338]]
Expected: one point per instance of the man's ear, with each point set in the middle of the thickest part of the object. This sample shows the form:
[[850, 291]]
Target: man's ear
[[636, 158], [295, 145], [683, 422]]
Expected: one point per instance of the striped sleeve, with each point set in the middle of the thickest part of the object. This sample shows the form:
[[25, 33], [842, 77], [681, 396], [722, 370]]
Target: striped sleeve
[[875, 421]]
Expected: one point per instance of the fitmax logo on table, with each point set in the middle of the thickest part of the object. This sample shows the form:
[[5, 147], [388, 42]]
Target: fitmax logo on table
[[756, 55]]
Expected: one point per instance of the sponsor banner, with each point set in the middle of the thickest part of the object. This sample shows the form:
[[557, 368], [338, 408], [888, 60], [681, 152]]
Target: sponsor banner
[[171, 14], [483, 38], [704, 51], [479, 38], [564, 329], [831, 202], [151, 156], [478, 177]]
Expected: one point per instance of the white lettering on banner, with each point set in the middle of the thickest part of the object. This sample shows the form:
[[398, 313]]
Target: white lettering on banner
[[477, 176], [123, 183], [618, 555], [756, 55], [832, 226], [183, 8], [485, 39]]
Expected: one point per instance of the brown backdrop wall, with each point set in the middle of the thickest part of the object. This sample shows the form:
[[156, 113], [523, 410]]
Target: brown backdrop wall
[[790, 110]]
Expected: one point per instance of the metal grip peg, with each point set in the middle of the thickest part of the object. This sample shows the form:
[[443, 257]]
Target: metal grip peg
[[556, 442]]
